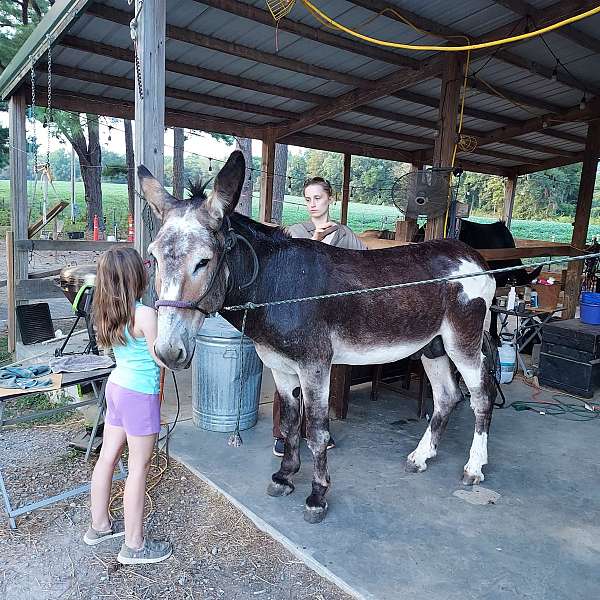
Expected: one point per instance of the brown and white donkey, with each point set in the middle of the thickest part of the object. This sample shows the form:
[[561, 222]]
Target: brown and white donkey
[[208, 257]]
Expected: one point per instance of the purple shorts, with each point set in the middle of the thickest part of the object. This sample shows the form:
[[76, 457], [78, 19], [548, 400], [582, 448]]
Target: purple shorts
[[135, 412]]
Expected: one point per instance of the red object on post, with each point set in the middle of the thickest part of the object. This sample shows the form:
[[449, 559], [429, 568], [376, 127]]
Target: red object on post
[[130, 234], [96, 229]]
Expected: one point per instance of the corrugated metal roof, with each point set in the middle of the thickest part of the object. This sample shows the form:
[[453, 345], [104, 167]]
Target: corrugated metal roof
[[518, 94]]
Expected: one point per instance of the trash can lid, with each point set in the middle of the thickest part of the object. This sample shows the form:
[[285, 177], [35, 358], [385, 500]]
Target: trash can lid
[[217, 326]]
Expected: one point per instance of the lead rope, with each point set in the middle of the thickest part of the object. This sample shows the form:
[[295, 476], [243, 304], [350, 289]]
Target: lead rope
[[235, 439]]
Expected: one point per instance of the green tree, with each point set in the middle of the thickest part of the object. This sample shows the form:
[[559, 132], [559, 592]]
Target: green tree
[[17, 20], [3, 147]]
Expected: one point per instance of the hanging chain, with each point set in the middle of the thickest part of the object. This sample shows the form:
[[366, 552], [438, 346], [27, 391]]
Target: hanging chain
[[35, 147], [49, 108], [133, 29], [235, 439]]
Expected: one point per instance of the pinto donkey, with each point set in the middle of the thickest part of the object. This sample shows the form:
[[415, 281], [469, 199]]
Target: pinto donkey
[[208, 257]]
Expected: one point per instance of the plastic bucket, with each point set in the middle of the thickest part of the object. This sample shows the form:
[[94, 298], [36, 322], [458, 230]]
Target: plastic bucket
[[590, 308], [508, 360]]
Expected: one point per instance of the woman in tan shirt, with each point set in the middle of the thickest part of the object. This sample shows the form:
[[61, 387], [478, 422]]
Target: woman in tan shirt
[[318, 195]]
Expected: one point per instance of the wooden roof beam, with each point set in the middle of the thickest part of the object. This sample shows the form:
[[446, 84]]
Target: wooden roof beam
[[124, 109], [218, 101], [569, 32], [126, 55], [403, 77], [549, 15], [548, 164], [504, 134], [194, 38], [322, 36]]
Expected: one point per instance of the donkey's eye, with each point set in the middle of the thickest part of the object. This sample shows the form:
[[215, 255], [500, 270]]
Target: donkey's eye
[[201, 265]]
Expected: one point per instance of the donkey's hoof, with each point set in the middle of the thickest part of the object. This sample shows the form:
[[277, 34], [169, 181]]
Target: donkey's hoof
[[413, 467], [315, 514], [277, 489], [472, 478]]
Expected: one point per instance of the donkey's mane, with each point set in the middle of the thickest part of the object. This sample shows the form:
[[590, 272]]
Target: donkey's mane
[[251, 228], [197, 190], [244, 225]]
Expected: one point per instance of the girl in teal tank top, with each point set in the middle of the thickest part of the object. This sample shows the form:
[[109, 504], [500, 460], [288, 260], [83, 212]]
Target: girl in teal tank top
[[136, 368], [124, 324]]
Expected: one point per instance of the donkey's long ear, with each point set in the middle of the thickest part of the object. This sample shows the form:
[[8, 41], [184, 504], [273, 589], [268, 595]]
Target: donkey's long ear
[[157, 197], [228, 186]]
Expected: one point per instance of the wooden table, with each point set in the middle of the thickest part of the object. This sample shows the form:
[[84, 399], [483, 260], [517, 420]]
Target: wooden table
[[98, 379]]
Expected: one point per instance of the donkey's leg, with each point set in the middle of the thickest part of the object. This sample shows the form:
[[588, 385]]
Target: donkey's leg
[[445, 396], [288, 387], [468, 358], [315, 393]]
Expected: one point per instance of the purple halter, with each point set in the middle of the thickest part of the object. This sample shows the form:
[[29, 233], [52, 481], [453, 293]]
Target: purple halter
[[231, 239]]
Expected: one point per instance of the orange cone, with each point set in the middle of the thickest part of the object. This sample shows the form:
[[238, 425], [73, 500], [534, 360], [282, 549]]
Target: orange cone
[[96, 229], [130, 234]]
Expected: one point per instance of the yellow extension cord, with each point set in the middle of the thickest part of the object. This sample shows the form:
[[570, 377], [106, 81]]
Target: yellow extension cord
[[426, 48], [329, 22]]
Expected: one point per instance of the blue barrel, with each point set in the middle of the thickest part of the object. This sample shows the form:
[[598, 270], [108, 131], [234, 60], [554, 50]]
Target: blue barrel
[[216, 378], [589, 308]]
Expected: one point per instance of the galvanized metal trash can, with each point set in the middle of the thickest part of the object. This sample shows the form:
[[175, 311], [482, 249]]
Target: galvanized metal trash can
[[216, 378]]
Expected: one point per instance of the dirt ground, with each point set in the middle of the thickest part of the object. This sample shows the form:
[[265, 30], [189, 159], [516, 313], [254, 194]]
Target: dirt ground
[[218, 552]]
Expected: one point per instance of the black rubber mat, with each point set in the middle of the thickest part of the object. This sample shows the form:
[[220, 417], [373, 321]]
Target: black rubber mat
[[35, 323]]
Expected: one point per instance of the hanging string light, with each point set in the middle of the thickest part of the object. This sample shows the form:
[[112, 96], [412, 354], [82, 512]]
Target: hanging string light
[[109, 133], [210, 165]]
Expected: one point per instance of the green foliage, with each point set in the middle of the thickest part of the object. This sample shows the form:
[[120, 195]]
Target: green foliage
[[17, 25], [3, 147]]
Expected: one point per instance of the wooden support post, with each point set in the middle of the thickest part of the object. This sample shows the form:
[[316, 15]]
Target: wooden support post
[[11, 304], [510, 187], [19, 213], [345, 189], [582, 217], [149, 109], [267, 166], [443, 151]]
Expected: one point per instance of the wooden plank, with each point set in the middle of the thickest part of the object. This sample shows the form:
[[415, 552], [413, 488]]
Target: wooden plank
[[582, 218], [10, 300], [149, 111], [529, 252], [266, 178], [510, 188], [66, 245], [52, 213], [37, 289], [345, 188]]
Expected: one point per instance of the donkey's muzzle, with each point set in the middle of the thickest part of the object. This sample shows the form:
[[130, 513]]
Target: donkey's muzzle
[[174, 355]]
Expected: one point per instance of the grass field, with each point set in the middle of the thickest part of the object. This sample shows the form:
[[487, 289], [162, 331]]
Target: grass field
[[360, 216]]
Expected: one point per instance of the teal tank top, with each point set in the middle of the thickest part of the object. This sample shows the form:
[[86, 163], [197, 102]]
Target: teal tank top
[[136, 369]]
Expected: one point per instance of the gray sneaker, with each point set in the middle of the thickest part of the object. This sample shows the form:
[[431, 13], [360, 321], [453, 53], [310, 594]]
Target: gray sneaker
[[93, 537], [152, 551]]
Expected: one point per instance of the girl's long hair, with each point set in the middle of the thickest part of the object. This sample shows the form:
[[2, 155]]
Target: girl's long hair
[[120, 281]]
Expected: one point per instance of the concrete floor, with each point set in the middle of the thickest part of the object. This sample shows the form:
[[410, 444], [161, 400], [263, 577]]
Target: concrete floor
[[391, 535]]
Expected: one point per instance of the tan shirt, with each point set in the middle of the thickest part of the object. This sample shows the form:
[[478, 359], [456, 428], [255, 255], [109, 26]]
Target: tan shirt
[[342, 237]]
